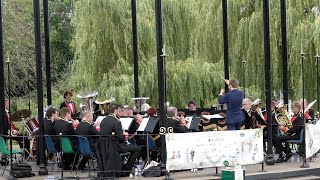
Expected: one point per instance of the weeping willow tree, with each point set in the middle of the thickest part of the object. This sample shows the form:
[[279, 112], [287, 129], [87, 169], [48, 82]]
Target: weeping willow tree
[[193, 34]]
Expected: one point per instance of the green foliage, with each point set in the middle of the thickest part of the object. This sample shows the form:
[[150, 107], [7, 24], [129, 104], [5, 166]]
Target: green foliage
[[193, 37]]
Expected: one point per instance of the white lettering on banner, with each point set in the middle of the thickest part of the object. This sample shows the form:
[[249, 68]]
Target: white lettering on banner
[[211, 149], [312, 139]]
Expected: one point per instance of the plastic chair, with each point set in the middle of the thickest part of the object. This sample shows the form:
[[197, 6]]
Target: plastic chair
[[84, 150], [298, 141], [51, 149], [5, 151], [66, 147]]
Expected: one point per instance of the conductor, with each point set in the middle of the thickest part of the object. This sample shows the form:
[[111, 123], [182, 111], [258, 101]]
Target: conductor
[[233, 99]]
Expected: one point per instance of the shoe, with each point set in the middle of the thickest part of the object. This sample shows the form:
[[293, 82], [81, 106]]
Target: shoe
[[280, 160], [288, 156]]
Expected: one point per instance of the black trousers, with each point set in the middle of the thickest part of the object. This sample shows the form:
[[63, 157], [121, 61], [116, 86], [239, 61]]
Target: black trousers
[[134, 154], [278, 140]]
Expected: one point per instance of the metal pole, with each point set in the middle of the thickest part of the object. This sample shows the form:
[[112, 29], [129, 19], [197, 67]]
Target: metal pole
[[318, 102], [47, 49], [225, 40], [267, 71], [2, 90], [36, 9], [9, 113], [305, 164], [283, 11], [135, 47], [161, 90]]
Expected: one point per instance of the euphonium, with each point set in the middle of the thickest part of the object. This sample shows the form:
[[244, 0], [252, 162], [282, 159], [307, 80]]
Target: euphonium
[[282, 116]]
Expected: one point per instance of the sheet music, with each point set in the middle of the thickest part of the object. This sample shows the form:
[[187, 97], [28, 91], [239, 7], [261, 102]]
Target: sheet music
[[126, 123], [143, 124], [189, 119], [99, 119], [215, 116]]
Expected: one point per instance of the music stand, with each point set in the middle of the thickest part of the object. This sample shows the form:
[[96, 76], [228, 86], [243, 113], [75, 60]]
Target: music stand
[[194, 124], [147, 125], [126, 122]]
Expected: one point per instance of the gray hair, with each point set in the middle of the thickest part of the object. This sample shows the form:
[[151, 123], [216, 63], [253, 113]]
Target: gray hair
[[84, 114], [171, 111], [247, 100]]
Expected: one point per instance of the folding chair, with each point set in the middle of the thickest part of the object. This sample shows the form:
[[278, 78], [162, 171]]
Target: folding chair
[[84, 150], [66, 147], [5, 151], [51, 149]]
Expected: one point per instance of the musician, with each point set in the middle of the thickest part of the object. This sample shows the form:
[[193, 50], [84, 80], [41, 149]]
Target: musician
[[192, 105], [64, 127], [249, 121], [291, 133], [309, 114], [111, 126], [86, 129], [174, 122], [233, 99], [49, 129], [69, 104], [24, 143]]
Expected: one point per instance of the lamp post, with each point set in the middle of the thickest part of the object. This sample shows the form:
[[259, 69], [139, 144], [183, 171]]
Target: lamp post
[[225, 41], [135, 47]]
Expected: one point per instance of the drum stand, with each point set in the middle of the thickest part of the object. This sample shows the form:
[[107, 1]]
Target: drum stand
[[30, 157]]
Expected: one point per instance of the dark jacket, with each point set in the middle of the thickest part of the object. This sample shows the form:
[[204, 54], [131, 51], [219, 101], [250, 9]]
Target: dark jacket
[[87, 130], [111, 126], [66, 128], [49, 129], [108, 157], [233, 99], [74, 112], [297, 124], [176, 125]]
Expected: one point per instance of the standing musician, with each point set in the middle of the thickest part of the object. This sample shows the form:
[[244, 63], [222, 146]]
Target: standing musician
[[69, 103], [86, 129], [66, 128], [291, 133], [233, 99]]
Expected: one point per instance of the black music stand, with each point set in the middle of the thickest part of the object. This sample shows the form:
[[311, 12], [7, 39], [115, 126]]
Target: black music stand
[[194, 124], [126, 122], [148, 127]]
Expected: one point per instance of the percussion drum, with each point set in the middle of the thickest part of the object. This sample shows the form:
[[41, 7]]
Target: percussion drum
[[32, 124]]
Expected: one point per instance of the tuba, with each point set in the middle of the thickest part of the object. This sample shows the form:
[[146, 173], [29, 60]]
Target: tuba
[[87, 100], [282, 116], [255, 106]]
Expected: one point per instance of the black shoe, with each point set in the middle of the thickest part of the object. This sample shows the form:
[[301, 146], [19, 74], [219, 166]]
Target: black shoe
[[280, 160], [288, 156]]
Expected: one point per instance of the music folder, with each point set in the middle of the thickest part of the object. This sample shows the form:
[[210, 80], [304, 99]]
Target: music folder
[[99, 119], [126, 122], [148, 124]]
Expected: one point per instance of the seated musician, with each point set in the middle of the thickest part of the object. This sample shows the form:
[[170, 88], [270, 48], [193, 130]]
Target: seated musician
[[68, 103], [48, 123], [249, 121], [290, 133], [111, 126], [309, 114], [24, 142], [173, 120], [192, 106], [132, 148], [64, 127], [86, 129]]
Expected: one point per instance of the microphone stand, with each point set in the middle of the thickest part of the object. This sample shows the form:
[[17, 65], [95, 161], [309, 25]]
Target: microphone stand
[[305, 164]]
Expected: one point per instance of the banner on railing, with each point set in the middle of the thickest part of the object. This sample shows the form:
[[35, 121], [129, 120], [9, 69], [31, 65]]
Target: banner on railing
[[213, 149], [312, 139]]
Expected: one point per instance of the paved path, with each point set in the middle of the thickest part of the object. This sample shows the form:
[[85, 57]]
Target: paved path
[[205, 173]]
